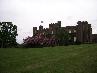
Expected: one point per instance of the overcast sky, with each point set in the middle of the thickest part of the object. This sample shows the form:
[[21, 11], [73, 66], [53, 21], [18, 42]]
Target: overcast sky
[[29, 13]]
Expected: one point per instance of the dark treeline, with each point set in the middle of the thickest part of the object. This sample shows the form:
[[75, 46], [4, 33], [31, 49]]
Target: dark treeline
[[61, 38], [8, 33]]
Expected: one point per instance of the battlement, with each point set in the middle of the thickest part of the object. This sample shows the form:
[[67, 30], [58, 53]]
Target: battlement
[[81, 32], [82, 22], [6, 22]]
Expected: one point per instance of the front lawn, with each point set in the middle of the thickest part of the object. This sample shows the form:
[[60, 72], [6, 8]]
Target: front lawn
[[59, 59]]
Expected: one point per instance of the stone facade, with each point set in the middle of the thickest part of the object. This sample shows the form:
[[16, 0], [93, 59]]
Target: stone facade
[[81, 32], [84, 31]]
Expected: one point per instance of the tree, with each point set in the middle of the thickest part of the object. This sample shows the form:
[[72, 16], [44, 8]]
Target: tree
[[62, 36], [39, 40], [8, 33]]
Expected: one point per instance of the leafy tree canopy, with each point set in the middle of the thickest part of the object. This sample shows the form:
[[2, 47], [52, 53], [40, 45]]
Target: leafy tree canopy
[[8, 33]]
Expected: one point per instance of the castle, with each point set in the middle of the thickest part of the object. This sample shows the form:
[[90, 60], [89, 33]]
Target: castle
[[81, 32]]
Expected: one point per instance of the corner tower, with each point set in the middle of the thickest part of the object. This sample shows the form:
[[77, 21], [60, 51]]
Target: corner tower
[[84, 32]]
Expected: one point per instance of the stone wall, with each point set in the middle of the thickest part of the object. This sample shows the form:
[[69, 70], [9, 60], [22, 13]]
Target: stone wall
[[81, 32]]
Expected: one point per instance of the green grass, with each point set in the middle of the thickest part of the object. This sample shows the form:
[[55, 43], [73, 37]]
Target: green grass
[[60, 59]]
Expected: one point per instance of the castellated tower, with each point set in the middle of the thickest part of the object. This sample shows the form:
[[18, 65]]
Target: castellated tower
[[84, 32], [53, 27], [34, 31], [41, 28]]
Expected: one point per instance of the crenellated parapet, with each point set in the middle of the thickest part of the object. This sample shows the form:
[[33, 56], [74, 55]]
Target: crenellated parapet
[[81, 32]]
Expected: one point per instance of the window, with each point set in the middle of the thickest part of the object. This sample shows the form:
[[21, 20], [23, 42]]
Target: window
[[74, 39], [74, 30], [43, 33], [0, 27], [52, 32], [69, 31]]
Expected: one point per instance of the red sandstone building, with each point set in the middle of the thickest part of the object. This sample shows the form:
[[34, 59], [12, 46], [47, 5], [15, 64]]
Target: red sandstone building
[[81, 32]]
